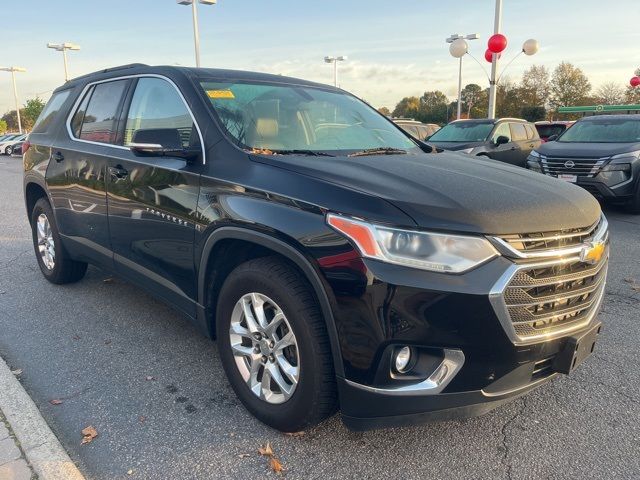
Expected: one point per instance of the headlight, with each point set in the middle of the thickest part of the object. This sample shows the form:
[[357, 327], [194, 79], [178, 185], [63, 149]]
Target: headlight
[[436, 252], [626, 157], [466, 150], [534, 155]]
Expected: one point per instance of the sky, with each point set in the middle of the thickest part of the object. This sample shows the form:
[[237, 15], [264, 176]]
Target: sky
[[394, 48]]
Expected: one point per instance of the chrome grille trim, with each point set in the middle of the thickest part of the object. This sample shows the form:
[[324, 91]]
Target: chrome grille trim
[[549, 315], [564, 243], [583, 167]]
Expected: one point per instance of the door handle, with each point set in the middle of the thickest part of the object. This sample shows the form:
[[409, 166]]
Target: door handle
[[513, 148], [118, 171], [58, 157]]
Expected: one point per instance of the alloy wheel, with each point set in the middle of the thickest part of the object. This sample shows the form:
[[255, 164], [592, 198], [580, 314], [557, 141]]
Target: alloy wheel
[[46, 244], [265, 348]]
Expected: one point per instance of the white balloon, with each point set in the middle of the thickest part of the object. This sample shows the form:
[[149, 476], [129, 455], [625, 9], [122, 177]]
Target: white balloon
[[530, 47], [458, 48]]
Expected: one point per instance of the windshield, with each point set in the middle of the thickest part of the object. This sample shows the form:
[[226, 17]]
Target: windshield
[[277, 117], [545, 131], [463, 132], [603, 130]]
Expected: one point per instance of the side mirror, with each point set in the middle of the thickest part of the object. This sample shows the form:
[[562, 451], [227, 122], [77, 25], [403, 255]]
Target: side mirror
[[552, 138], [502, 139]]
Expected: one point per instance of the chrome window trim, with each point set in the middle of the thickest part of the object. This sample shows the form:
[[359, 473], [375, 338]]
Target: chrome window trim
[[437, 381], [126, 77], [600, 235], [496, 298]]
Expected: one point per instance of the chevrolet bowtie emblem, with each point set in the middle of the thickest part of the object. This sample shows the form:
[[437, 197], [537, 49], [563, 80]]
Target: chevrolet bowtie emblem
[[592, 252]]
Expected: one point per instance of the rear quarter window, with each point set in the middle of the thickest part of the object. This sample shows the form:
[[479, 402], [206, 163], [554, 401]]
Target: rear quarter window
[[50, 112], [518, 132]]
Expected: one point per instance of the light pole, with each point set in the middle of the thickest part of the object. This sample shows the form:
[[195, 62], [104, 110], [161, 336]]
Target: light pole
[[196, 30], [13, 71], [497, 26], [335, 61], [459, 49], [63, 47]]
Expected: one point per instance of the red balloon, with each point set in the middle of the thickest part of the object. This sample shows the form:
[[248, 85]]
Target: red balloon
[[488, 55], [635, 81], [497, 43]]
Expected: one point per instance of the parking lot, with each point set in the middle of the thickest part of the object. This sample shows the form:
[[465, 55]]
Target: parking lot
[[154, 390]]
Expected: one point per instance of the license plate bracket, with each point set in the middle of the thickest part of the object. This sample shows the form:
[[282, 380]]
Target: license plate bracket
[[568, 178], [576, 350]]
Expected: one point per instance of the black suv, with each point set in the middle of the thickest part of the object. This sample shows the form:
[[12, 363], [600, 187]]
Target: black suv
[[508, 140], [338, 262], [601, 154]]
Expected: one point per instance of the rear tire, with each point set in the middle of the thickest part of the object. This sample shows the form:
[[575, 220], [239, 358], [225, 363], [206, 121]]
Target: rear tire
[[280, 292], [54, 261], [8, 150]]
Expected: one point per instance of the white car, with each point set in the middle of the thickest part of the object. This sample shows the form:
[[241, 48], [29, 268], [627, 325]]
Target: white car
[[6, 146]]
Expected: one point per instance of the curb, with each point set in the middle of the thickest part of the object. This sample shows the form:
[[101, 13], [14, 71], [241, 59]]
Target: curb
[[41, 447]]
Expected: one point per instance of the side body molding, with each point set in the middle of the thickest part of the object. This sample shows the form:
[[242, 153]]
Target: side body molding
[[320, 287]]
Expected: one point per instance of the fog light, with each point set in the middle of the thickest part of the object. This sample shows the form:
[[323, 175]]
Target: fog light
[[403, 358]]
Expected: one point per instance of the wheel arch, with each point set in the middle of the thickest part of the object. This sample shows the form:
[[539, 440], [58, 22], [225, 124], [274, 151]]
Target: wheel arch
[[268, 244], [33, 191]]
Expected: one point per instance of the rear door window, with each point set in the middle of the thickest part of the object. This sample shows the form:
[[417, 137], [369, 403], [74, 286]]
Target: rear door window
[[100, 115], [158, 115], [532, 134], [518, 132], [45, 120]]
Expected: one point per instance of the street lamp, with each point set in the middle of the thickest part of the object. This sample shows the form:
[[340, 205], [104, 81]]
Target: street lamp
[[458, 49], [335, 61], [196, 32], [63, 47], [13, 71]]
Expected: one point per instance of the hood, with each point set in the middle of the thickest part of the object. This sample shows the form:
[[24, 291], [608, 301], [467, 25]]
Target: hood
[[452, 192], [586, 150], [456, 145]]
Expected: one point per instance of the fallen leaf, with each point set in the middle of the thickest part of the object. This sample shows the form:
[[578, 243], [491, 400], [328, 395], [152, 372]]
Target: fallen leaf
[[76, 337], [636, 288], [142, 418], [294, 434], [149, 378], [108, 280], [17, 371], [107, 342], [275, 465], [55, 401], [88, 434], [244, 455], [266, 451], [629, 280]]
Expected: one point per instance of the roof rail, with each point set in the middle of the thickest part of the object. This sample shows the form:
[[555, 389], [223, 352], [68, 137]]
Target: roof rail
[[111, 69], [600, 109]]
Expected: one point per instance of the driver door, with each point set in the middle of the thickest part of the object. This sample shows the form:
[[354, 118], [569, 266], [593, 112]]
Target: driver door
[[507, 151]]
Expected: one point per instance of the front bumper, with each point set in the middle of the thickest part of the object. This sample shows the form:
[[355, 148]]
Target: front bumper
[[381, 306]]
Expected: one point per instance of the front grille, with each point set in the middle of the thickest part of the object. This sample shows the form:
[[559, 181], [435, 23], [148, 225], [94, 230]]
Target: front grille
[[561, 296], [582, 167], [542, 242]]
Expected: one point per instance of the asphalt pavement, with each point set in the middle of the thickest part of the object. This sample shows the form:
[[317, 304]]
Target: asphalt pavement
[[114, 358]]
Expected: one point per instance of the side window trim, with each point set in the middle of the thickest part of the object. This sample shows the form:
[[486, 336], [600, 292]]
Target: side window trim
[[125, 111]]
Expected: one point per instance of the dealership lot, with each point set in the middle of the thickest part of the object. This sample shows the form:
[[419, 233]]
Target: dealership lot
[[155, 392]]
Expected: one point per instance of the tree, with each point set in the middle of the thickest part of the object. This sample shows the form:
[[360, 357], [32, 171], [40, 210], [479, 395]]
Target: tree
[[433, 107], [471, 95], [609, 93], [569, 86], [12, 120], [32, 109], [3, 127], [632, 94], [535, 86], [534, 113], [384, 111], [509, 100], [408, 107]]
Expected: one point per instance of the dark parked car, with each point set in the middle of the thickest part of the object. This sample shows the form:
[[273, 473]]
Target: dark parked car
[[418, 130], [338, 263], [508, 140], [552, 130], [599, 153], [16, 149]]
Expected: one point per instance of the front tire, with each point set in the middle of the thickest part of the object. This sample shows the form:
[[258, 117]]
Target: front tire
[[274, 345], [53, 260], [8, 150]]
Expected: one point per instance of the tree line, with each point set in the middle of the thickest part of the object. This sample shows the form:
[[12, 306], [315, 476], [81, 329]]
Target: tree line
[[537, 96], [29, 113]]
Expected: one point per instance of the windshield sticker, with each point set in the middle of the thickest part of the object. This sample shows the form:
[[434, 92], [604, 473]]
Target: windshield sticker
[[220, 94]]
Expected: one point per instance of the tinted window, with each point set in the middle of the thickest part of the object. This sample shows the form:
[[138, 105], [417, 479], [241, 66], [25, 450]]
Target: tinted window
[[518, 133], [100, 120], [293, 117], [604, 130], [502, 130], [49, 112], [546, 131], [158, 115], [78, 117], [463, 132]]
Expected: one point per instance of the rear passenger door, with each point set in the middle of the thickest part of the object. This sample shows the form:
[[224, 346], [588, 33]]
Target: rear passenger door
[[76, 175], [152, 197], [518, 155]]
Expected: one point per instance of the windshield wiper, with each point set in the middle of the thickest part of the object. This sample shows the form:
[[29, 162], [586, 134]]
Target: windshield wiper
[[379, 151], [313, 153]]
